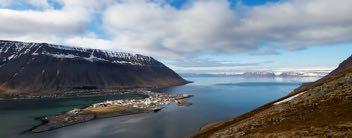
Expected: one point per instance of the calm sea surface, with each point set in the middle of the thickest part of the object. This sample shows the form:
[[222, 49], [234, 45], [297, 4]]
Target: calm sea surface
[[215, 99]]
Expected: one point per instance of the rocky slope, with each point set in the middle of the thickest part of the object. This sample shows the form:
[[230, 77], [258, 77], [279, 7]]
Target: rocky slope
[[319, 109], [37, 68], [344, 67]]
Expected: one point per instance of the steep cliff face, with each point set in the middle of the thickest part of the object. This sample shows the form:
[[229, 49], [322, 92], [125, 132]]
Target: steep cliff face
[[319, 109], [39, 67]]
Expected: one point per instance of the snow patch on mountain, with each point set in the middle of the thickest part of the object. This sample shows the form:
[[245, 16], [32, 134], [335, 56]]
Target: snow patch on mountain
[[10, 50], [61, 55], [288, 99], [276, 74]]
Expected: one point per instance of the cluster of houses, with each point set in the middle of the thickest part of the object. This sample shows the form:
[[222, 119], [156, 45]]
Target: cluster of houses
[[154, 101]]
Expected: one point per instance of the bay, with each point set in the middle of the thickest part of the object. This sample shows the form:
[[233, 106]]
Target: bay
[[215, 99]]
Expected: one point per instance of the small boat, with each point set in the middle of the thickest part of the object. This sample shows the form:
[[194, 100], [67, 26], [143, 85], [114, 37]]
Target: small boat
[[157, 109]]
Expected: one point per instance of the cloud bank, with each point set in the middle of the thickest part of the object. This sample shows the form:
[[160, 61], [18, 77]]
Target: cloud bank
[[156, 28]]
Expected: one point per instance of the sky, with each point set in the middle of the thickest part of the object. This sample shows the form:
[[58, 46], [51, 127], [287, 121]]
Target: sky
[[198, 36]]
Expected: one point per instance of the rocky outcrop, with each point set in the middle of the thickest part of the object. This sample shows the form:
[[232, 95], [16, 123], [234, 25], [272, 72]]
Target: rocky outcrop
[[320, 109], [35, 68]]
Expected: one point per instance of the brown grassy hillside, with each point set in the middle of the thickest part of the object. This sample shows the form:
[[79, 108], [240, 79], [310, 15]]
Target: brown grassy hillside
[[320, 109]]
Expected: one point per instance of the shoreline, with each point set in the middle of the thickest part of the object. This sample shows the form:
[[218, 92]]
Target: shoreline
[[82, 93], [39, 129], [67, 97]]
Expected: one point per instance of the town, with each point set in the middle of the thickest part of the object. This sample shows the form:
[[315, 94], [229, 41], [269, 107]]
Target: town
[[155, 101]]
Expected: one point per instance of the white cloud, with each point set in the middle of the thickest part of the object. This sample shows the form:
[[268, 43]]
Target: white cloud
[[154, 29], [89, 42], [158, 29], [213, 27], [42, 22], [66, 24], [48, 24], [298, 23]]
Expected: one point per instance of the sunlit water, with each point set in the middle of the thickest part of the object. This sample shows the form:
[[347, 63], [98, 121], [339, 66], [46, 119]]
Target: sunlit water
[[215, 99]]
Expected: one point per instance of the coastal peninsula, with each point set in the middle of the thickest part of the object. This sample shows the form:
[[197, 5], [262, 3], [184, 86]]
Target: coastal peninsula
[[113, 108]]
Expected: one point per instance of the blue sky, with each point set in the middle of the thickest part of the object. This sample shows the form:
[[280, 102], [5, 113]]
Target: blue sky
[[220, 35]]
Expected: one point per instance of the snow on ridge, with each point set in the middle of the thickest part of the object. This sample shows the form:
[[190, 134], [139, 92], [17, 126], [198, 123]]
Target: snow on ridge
[[22, 48], [125, 62], [21, 45], [109, 54], [61, 55], [62, 47], [92, 59], [112, 54], [11, 57], [18, 46], [289, 73]]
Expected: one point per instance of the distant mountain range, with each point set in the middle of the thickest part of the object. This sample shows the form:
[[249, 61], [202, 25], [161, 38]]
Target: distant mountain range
[[262, 74], [41, 67]]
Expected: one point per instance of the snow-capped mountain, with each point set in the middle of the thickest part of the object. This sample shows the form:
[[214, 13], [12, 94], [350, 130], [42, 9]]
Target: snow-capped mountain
[[286, 74], [282, 74], [303, 74], [10, 50], [27, 67]]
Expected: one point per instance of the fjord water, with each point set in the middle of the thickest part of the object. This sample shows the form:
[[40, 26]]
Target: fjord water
[[215, 99]]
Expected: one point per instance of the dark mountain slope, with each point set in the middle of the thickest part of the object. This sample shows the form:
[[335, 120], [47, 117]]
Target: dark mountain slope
[[35, 68], [321, 110]]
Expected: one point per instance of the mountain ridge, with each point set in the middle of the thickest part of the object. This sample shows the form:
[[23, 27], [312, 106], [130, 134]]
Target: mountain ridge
[[261, 74], [22, 48], [30, 68]]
